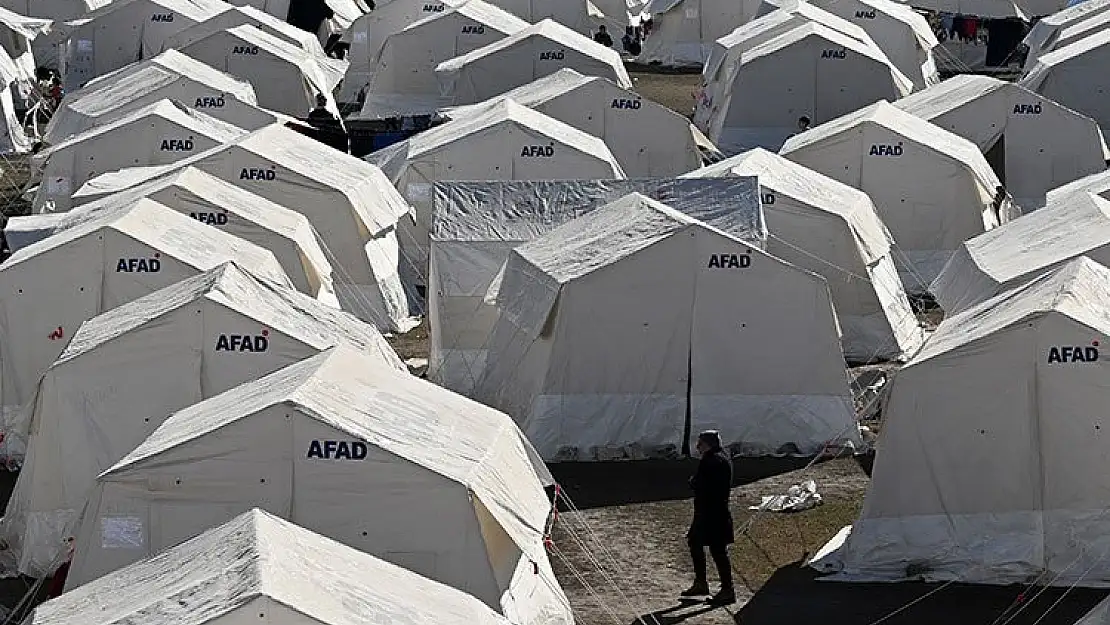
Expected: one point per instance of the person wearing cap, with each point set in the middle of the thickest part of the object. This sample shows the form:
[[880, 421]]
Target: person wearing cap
[[712, 525]]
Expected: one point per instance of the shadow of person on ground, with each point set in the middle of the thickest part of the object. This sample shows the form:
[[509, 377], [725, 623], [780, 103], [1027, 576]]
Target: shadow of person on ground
[[686, 609], [794, 595], [603, 484]]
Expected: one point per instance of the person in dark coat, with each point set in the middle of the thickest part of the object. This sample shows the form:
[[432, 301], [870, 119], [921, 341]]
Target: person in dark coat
[[712, 525]]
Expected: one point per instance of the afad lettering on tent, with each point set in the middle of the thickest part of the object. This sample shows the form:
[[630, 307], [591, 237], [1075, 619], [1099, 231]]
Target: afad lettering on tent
[[337, 450], [1073, 353], [252, 343]]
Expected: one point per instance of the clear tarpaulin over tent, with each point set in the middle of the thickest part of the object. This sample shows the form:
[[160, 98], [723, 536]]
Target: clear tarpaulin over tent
[[471, 514], [229, 573], [610, 338], [125, 370], [504, 141], [477, 224], [104, 262]]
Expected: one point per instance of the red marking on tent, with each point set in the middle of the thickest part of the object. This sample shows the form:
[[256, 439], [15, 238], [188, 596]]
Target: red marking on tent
[[57, 334], [265, 332], [157, 255], [1095, 343]]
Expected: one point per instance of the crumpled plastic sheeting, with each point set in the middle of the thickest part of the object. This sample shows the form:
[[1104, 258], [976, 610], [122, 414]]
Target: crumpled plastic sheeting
[[798, 497], [256, 556], [517, 211]]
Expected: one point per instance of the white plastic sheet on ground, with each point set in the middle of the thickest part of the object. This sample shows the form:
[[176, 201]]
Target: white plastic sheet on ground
[[798, 498], [125, 370], [477, 224]]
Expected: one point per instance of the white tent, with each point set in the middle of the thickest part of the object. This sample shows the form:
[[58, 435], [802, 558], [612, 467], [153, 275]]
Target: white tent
[[476, 225], [1072, 33], [216, 203], [686, 29], [353, 207], [505, 141], [833, 230], [1076, 225], [17, 36], [12, 136], [286, 79], [259, 564], [1046, 30], [649, 140], [125, 370], [810, 71], [1032, 143], [1098, 184], [532, 53], [900, 32], [403, 74], [451, 485], [1069, 76], [170, 75], [726, 52], [125, 31], [47, 48], [248, 15], [345, 13], [157, 134], [50, 288], [933, 189], [610, 337], [988, 470], [574, 14], [368, 33]]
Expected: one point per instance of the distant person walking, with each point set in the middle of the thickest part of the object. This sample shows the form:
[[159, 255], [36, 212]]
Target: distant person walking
[[712, 525], [631, 41], [603, 37]]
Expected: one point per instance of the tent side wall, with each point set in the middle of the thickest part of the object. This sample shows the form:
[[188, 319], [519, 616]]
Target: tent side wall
[[787, 323], [954, 426], [610, 369], [278, 82]]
